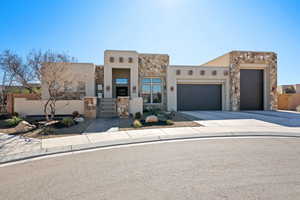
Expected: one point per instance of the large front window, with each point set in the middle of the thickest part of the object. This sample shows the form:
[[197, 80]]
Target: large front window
[[151, 90]]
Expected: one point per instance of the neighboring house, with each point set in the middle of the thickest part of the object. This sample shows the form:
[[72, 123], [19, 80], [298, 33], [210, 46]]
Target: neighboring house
[[289, 89], [238, 80], [289, 97], [19, 89]]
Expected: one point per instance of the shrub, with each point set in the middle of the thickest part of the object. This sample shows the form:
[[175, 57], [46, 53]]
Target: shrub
[[169, 122], [75, 114], [161, 117], [137, 124], [138, 115], [67, 121], [15, 114], [14, 121]]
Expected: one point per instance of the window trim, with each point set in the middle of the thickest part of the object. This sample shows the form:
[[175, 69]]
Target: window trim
[[151, 91]]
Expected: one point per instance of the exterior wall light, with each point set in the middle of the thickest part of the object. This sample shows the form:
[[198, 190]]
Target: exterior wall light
[[134, 89], [107, 88]]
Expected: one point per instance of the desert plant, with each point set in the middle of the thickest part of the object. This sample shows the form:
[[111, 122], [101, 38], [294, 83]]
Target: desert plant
[[75, 114], [14, 121], [138, 115], [67, 121], [137, 124], [15, 114], [169, 122]]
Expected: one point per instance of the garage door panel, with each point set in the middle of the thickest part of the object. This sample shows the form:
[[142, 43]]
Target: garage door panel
[[251, 83], [199, 97]]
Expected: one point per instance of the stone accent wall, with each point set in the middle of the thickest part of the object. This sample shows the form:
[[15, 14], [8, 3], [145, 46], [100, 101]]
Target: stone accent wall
[[90, 107], [123, 107], [99, 78], [244, 57], [154, 65]]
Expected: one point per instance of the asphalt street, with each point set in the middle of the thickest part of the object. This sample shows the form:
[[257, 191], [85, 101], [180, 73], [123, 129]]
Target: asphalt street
[[231, 168]]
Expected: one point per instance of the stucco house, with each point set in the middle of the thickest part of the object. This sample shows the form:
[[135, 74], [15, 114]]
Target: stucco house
[[129, 81]]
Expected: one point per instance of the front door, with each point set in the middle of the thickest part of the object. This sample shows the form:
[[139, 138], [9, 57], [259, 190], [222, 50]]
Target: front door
[[121, 91]]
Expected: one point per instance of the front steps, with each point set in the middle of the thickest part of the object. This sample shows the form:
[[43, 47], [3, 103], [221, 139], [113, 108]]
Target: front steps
[[107, 107]]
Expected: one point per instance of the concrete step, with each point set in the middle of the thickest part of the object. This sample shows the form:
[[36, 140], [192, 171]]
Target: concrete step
[[107, 100]]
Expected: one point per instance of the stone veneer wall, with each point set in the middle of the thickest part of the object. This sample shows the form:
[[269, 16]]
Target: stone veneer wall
[[154, 65], [99, 78], [243, 57]]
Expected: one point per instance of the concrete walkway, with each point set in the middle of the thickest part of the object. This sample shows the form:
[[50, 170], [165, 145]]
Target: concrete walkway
[[95, 140]]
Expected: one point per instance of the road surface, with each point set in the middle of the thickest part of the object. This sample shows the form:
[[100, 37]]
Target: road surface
[[231, 168]]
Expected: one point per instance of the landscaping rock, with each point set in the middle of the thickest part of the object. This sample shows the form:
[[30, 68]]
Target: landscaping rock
[[151, 118], [24, 126], [79, 119]]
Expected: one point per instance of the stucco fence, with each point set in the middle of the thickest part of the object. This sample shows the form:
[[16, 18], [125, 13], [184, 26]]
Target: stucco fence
[[288, 101], [24, 106]]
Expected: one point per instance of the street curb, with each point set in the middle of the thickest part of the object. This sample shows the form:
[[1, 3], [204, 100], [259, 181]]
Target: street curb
[[99, 145]]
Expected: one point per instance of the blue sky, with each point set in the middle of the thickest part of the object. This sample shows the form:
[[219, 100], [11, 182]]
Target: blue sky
[[190, 31]]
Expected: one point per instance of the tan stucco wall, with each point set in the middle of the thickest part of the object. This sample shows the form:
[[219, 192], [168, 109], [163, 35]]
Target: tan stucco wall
[[108, 66], [221, 61], [184, 78], [75, 72], [35, 107]]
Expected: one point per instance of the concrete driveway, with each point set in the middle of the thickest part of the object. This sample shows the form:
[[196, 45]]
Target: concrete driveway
[[247, 119]]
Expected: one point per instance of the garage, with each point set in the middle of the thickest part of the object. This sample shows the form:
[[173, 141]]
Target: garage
[[199, 97], [252, 90]]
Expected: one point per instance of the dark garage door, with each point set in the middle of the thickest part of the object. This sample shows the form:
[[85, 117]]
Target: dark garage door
[[199, 97], [252, 89]]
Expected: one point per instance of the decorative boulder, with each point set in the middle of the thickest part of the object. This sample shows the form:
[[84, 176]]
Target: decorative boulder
[[24, 126], [151, 118], [298, 108], [79, 119]]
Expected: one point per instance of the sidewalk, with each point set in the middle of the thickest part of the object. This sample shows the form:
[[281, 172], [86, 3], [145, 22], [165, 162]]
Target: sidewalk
[[35, 148]]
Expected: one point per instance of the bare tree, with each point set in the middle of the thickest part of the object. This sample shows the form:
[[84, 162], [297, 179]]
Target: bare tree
[[54, 76], [29, 71], [40, 67]]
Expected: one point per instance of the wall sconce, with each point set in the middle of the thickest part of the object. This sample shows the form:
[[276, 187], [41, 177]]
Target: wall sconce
[[172, 88], [107, 88], [134, 89]]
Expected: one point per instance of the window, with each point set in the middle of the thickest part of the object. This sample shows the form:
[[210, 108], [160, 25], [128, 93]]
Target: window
[[81, 86], [121, 81], [130, 60], [214, 73], [111, 59], [190, 72], [202, 72], [121, 60], [151, 90], [68, 86], [177, 72]]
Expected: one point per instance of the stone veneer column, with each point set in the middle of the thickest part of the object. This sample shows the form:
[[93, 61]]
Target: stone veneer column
[[241, 57], [90, 107], [123, 106], [154, 65]]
